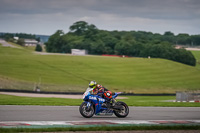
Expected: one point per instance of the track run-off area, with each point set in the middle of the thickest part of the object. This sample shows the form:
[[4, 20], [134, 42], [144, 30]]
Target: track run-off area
[[13, 116]]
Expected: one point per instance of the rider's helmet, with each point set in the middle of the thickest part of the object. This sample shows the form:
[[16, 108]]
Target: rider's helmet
[[93, 84], [108, 94]]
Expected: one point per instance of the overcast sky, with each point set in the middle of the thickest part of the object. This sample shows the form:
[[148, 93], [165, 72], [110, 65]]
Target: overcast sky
[[47, 16]]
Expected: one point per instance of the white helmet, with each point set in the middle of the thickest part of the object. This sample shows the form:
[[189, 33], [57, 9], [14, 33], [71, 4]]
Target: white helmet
[[92, 84]]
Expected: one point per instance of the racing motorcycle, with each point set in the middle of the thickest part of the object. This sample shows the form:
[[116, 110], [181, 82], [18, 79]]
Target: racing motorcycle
[[95, 104]]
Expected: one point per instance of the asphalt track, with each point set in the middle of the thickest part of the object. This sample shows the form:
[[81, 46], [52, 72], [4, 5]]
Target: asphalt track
[[71, 113]]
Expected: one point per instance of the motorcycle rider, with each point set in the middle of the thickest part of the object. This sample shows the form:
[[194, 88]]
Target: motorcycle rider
[[102, 91]]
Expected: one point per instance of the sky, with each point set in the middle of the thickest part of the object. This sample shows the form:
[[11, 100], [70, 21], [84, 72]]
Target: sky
[[45, 17]]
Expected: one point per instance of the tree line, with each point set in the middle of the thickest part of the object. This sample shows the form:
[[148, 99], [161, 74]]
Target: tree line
[[131, 43], [10, 38]]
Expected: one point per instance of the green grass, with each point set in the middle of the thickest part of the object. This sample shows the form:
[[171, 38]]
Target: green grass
[[17, 45], [17, 100], [122, 128], [131, 101], [162, 101], [197, 56], [22, 69]]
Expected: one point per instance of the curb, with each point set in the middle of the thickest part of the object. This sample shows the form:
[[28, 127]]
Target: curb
[[78, 124], [193, 101]]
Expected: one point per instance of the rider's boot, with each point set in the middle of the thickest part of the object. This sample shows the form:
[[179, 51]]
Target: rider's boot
[[104, 105], [113, 102]]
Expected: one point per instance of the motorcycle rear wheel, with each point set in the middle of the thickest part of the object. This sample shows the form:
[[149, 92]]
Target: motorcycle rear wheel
[[85, 112], [122, 112]]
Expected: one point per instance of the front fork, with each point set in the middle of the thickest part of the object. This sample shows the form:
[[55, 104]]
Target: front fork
[[88, 106]]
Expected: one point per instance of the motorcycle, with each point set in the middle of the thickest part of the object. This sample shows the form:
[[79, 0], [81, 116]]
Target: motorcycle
[[95, 104]]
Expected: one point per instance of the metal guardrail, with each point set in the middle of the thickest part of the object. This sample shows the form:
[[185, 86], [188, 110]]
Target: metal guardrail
[[79, 93], [187, 96]]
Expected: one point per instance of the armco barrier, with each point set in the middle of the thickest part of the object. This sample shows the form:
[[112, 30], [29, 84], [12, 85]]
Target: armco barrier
[[80, 93], [188, 96]]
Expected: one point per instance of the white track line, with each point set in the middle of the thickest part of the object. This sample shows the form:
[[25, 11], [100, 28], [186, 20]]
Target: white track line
[[98, 122]]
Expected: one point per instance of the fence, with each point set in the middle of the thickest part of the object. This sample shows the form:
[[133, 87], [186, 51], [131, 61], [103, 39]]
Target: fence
[[188, 96], [6, 83]]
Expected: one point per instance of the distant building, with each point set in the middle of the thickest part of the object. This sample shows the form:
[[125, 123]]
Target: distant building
[[79, 52], [43, 38], [178, 46], [30, 42], [16, 38]]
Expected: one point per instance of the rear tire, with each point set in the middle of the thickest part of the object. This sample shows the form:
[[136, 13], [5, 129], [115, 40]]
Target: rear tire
[[123, 112], [84, 112]]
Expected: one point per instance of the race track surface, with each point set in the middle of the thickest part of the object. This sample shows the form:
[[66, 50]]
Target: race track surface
[[71, 113]]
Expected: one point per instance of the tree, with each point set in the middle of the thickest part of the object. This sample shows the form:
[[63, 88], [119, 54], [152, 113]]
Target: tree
[[185, 57], [81, 27], [8, 36], [38, 39], [169, 36], [21, 41], [123, 48], [132, 43], [168, 33], [38, 48], [71, 41], [195, 39], [183, 39], [125, 45], [55, 42], [136, 48], [166, 51]]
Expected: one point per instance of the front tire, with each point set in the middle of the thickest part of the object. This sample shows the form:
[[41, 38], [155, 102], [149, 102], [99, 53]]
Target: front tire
[[85, 112], [122, 112]]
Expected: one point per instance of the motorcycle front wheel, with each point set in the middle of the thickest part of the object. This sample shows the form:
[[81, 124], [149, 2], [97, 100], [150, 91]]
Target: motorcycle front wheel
[[123, 112], [85, 111]]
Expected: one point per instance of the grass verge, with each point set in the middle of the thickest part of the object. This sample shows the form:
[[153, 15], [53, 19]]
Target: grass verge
[[162, 101], [104, 128], [17, 100], [22, 69], [197, 56]]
